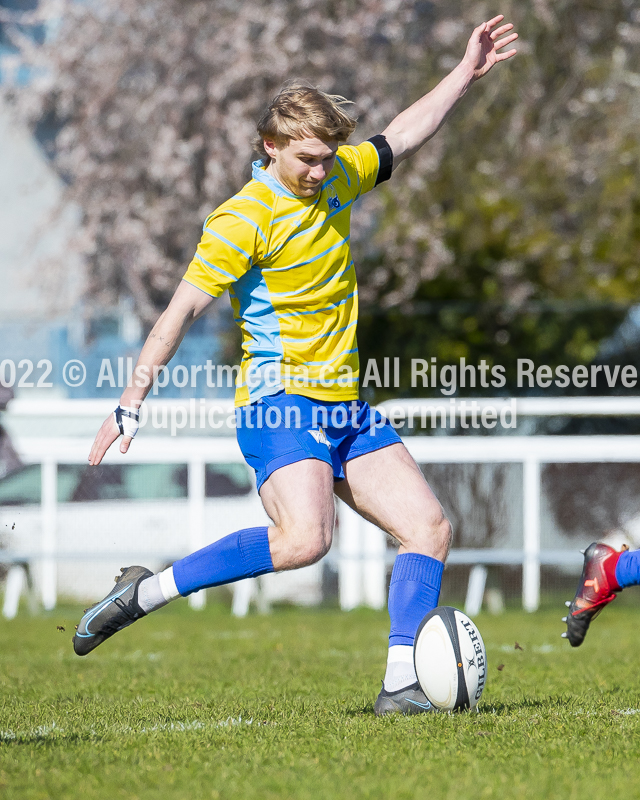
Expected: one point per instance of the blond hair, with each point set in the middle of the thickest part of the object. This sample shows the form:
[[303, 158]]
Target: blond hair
[[299, 110]]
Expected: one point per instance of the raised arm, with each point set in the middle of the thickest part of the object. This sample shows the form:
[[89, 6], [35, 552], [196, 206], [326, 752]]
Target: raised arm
[[418, 123], [187, 304]]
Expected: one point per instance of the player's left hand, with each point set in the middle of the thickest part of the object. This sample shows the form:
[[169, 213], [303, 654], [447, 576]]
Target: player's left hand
[[482, 48]]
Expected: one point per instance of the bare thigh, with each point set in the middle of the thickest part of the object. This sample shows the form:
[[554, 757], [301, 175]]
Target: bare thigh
[[299, 500], [387, 488]]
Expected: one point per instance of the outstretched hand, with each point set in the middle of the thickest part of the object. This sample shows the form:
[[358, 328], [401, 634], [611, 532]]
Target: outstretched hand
[[482, 49], [107, 435]]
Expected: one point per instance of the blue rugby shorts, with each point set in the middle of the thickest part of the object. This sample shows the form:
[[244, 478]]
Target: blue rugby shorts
[[284, 428]]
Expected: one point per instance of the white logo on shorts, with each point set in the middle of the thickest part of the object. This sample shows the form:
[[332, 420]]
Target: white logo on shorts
[[320, 437]]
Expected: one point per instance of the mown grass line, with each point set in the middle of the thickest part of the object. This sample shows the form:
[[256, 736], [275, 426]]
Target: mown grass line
[[200, 705]]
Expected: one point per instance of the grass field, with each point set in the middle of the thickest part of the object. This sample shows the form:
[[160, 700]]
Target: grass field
[[189, 705]]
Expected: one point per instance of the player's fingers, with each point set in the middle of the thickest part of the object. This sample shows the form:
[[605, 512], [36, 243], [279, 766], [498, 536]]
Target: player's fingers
[[97, 452], [507, 40], [124, 444], [107, 435], [494, 21], [505, 56], [100, 447], [97, 449], [499, 31], [95, 458]]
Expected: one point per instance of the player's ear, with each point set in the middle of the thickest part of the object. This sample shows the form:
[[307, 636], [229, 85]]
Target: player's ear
[[270, 147]]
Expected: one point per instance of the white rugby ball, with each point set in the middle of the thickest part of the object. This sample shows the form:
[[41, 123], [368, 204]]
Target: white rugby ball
[[450, 659]]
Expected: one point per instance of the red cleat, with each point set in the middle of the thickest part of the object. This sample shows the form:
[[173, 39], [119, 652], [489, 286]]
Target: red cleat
[[597, 587]]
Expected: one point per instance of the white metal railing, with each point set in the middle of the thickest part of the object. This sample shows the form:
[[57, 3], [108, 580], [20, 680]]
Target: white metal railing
[[195, 452], [525, 406], [361, 557]]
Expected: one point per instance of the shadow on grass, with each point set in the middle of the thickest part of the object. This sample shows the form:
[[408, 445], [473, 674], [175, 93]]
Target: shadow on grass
[[495, 709], [526, 704], [45, 739]]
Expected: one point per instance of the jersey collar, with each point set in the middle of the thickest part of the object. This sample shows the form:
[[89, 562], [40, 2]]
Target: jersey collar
[[259, 173]]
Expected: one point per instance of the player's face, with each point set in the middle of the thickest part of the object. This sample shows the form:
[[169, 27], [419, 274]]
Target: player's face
[[301, 165]]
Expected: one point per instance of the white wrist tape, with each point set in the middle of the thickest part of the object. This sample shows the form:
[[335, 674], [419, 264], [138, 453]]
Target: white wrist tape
[[127, 420]]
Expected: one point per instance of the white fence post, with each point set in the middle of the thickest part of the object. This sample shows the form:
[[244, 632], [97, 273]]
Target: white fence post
[[196, 484], [243, 592], [475, 590], [49, 512], [350, 563], [374, 573], [16, 582], [362, 561], [531, 531]]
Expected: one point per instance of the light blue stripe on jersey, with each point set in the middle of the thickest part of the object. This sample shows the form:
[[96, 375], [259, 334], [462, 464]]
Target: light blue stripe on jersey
[[322, 335], [340, 381], [253, 199], [260, 321], [318, 310], [231, 244], [277, 220], [299, 233], [315, 227], [216, 269], [340, 164], [195, 286], [307, 289], [315, 258], [249, 220], [331, 360], [321, 224]]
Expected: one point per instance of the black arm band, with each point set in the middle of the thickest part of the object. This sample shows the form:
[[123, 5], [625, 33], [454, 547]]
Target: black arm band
[[385, 154]]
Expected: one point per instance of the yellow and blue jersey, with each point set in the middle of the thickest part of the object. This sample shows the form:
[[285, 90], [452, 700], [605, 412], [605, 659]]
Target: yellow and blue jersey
[[287, 263]]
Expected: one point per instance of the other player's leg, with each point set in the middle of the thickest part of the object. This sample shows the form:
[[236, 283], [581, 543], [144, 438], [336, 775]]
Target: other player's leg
[[605, 572], [297, 497], [387, 487]]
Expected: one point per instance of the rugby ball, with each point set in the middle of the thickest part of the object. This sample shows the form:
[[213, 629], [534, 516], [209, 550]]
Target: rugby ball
[[450, 659]]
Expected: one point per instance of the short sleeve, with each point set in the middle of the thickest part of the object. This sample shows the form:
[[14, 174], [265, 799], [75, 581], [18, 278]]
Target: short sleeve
[[232, 241], [360, 165]]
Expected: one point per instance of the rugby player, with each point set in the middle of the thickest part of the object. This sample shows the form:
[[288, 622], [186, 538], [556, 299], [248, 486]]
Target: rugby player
[[281, 248]]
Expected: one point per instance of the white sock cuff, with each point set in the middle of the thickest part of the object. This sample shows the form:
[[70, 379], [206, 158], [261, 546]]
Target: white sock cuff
[[168, 584], [399, 675], [400, 652]]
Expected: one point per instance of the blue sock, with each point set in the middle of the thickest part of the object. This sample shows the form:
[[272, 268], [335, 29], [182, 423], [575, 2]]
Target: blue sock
[[243, 554], [413, 592], [628, 568]]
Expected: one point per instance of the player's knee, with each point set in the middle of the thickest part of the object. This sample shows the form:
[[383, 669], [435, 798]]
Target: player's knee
[[434, 535], [300, 545], [309, 544], [444, 531], [313, 549], [439, 527]]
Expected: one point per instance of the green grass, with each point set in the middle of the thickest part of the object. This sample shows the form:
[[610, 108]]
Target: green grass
[[200, 705]]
